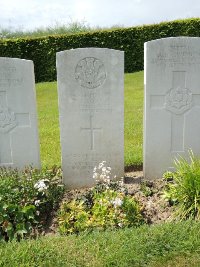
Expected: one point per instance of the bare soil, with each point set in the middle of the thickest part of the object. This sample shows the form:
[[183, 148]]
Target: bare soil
[[155, 208]]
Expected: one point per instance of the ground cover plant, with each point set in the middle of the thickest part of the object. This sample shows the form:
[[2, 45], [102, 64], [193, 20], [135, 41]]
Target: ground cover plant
[[26, 200], [106, 205]]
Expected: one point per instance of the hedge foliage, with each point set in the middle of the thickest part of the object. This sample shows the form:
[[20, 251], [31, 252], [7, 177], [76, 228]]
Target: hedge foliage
[[131, 40]]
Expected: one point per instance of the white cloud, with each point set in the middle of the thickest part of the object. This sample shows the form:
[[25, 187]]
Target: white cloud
[[37, 13], [34, 13]]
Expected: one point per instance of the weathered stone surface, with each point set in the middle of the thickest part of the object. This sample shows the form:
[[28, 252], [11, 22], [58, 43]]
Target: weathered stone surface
[[172, 102], [90, 89], [19, 143]]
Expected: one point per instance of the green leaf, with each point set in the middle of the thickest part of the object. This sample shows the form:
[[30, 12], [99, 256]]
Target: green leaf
[[10, 231]]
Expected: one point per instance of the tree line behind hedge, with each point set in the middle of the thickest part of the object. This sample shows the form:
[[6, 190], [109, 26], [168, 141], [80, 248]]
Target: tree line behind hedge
[[130, 40]]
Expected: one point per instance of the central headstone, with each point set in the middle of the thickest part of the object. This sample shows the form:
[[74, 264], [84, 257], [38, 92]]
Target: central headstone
[[90, 89], [19, 143], [172, 102]]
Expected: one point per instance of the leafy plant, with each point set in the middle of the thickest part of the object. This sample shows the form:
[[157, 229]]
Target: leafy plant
[[106, 205], [146, 189], [184, 189], [16, 221], [27, 199]]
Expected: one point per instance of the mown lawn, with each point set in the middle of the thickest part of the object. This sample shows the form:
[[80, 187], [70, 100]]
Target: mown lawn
[[47, 105], [167, 245]]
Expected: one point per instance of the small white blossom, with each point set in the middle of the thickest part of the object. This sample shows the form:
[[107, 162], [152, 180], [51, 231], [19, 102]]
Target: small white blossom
[[102, 173], [121, 182], [103, 169], [100, 165], [41, 185], [117, 202], [37, 202], [95, 176]]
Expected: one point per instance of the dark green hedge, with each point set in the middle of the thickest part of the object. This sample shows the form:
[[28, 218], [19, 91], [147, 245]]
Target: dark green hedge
[[131, 40]]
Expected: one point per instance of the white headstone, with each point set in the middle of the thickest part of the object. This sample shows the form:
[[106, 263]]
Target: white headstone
[[172, 102], [19, 145], [90, 89]]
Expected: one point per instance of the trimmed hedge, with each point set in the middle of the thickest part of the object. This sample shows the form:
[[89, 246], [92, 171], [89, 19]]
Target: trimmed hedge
[[131, 40]]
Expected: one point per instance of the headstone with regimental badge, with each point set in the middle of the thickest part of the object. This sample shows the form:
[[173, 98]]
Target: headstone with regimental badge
[[172, 102], [19, 143], [90, 89]]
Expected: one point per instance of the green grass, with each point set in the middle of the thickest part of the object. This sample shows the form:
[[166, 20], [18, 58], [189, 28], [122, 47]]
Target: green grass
[[173, 244], [133, 118], [47, 105], [48, 117]]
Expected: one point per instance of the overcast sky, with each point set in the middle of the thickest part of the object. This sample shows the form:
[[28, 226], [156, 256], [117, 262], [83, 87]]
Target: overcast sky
[[30, 14]]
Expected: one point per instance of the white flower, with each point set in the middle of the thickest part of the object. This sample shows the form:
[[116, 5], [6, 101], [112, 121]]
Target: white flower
[[95, 176], [120, 225], [108, 172], [104, 169], [37, 202], [102, 173], [95, 169], [102, 177], [37, 213], [101, 165], [117, 202], [41, 186], [121, 182]]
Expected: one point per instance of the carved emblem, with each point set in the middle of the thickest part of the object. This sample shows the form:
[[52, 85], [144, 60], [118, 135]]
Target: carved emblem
[[90, 72], [178, 100], [7, 120]]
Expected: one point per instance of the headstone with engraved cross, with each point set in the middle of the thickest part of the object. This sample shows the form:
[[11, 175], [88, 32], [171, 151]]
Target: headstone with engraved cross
[[172, 102], [90, 89], [19, 145]]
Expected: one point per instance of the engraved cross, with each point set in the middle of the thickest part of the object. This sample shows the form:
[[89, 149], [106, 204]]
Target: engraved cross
[[178, 100], [8, 121], [92, 131]]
